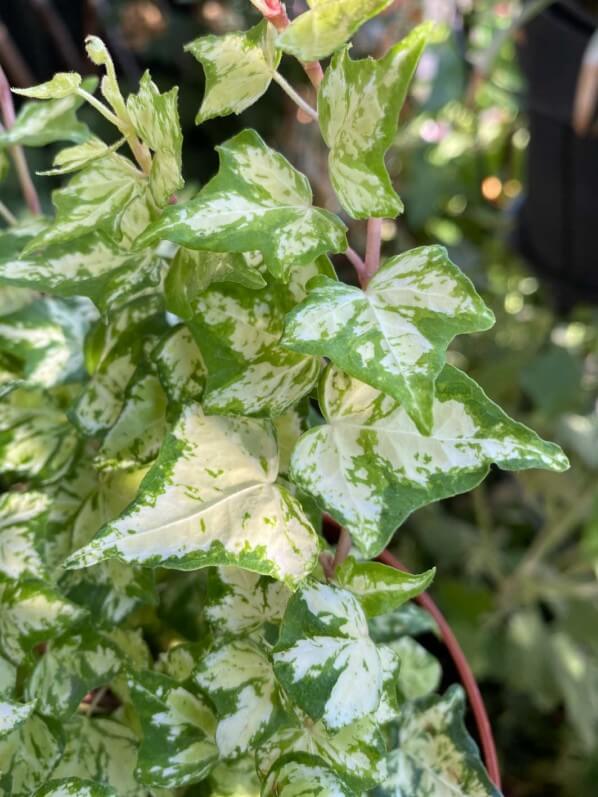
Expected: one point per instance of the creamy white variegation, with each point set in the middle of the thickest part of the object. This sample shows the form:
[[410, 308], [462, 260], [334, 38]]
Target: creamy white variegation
[[12, 715], [23, 519], [212, 498], [28, 755], [75, 787], [181, 367], [305, 776], [370, 466]]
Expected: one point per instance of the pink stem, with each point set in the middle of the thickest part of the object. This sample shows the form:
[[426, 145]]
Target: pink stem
[[372, 250], [465, 673]]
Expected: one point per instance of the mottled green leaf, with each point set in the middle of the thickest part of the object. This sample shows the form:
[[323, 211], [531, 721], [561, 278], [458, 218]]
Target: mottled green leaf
[[8, 678], [155, 118], [326, 26], [381, 588], [235, 779], [305, 775], [180, 366], [239, 680], [323, 650], [359, 104], [419, 673], [213, 488], [289, 428], [192, 272], [178, 662], [435, 754], [238, 69], [75, 787], [178, 732], [388, 708], [23, 519], [12, 716], [71, 159], [71, 667], [62, 85], [240, 602], [257, 201], [393, 335], [370, 467], [28, 756], [408, 620]]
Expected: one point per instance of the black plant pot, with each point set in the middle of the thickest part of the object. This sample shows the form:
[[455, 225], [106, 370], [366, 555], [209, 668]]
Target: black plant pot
[[558, 222]]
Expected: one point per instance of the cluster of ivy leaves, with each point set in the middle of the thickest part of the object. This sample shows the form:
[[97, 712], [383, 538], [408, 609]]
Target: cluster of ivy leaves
[[157, 358]]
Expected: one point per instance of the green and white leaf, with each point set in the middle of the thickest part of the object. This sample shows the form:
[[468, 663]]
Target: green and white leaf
[[257, 201], [381, 588], [180, 366], [28, 756], [393, 335], [238, 69], [98, 53], [192, 272], [435, 754], [8, 678], [71, 159], [155, 118], [71, 667], [289, 428], [75, 787], [389, 707], [13, 715], [178, 662], [419, 673], [239, 679], [178, 732], [370, 467], [63, 84], [23, 520], [407, 620], [30, 613], [324, 649], [306, 775], [358, 106], [326, 26], [235, 779], [239, 602], [213, 488]]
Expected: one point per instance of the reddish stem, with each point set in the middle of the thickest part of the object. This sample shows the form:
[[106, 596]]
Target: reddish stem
[[467, 677], [372, 250]]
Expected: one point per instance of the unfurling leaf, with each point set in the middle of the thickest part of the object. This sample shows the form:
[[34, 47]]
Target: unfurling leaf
[[394, 334], [62, 85]]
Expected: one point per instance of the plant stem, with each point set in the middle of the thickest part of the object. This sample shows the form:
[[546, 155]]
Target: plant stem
[[356, 262], [465, 673], [16, 152], [7, 215], [343, 546], [297, 98], [372, 250]]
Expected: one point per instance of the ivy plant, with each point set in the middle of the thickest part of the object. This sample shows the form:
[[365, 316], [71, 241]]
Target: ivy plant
[[187, 390]]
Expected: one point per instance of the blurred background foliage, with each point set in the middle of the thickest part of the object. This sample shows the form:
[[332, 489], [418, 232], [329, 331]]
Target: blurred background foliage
[[517, 558]]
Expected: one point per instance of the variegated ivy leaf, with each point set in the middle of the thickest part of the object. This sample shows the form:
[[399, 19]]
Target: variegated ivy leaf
[[180, 366], [239, 679], [192, 272], [239, 331], [370, 467], [23, 519], [289, 428], [240, 602], [28, 755], [90, 266], [388, 708], [75, 787], [41, 123], [358, 105], [8, 678], [212, 499], [36, 440], [303, 774], [13, 715], [137, 435], [324, 649], [257, 201], [420, 672], [393, 335], [98, 53], [235, 779], [178, 662], [381, 588], [408, 620], [71, 159], [31, 613], [238, 69], [356, 752], [178, 732], [326, 26], [70, 667], [155, 118], [46, 337], [110, 196], [435, 754], [102, 750], [62, 85]]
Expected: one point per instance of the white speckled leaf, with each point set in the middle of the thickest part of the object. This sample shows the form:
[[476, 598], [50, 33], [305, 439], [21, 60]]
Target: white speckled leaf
[[178, 732], [389, 708], [212, 498], [393, 335], [239, 679], [28, 756], [71, 667], [370, 467], [435, 755], [13, 715], [238, 68], [359, 104], [75, 787], [304, 775], [180, 366], [23, 519], [240, 602], [257, 201], [356, 752], [155, 118], [381, 588], [324, 649], [327, 26]]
